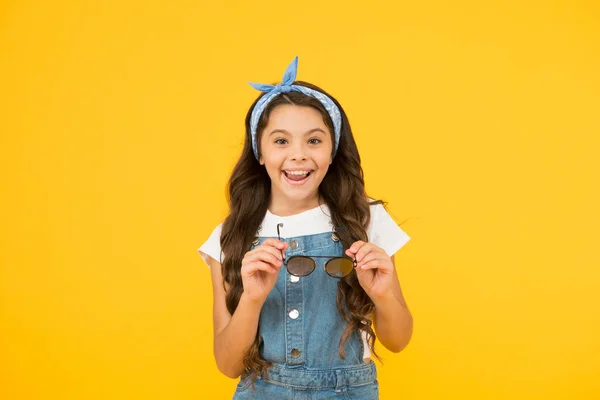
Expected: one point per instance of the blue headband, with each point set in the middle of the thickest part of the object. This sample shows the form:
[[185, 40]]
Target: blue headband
[[286, 86]]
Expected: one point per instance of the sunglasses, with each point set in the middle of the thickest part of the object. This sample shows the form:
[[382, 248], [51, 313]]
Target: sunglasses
[[336, 267]]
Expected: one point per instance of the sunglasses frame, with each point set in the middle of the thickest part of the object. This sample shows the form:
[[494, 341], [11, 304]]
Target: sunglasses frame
[[287, 260]]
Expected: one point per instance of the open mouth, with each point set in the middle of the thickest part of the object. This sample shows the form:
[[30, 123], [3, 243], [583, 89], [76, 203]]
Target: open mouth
[[297, 177]]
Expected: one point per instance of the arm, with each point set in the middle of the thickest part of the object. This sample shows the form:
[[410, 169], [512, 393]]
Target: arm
[[233, 334], [392, 319], [376, 272]]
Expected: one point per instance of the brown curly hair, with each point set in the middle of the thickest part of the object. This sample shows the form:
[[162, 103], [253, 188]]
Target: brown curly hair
[[343, 191]]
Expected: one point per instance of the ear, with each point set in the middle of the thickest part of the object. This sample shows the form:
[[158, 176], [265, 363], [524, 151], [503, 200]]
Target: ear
[[260, 160]]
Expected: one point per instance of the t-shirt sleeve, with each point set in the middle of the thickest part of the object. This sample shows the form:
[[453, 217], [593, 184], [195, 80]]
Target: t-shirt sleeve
[[384, 232], [212, 246]]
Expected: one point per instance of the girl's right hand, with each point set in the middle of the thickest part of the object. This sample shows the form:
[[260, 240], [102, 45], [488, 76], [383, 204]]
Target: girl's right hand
[[260, 268]]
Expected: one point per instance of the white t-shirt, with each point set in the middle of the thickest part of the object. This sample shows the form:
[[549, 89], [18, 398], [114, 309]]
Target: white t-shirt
[[382, 231]]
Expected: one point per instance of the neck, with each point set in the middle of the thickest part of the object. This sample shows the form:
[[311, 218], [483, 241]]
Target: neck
[[286, 207]]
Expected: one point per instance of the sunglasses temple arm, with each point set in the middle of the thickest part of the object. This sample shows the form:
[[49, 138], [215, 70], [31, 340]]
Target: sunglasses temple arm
[[279, 238]]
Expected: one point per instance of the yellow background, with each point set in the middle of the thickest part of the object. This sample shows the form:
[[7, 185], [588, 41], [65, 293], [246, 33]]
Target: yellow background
[[120, 122]]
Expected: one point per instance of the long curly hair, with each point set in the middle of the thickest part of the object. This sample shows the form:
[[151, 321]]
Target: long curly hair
[[342, 189]]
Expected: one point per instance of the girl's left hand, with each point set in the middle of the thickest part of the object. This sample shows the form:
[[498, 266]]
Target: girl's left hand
[[374, 268]]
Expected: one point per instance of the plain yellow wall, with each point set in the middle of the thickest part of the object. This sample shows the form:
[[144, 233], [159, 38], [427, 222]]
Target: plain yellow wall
[[120, 121]]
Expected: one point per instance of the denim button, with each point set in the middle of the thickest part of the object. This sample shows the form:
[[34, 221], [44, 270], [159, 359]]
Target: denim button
[[295, 353], [294, 278], [294, 314], [293, 245]]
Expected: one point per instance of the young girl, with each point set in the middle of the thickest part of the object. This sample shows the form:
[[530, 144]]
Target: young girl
[[302, 268]]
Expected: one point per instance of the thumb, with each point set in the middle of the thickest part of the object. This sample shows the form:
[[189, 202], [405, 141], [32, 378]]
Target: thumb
[[284, 248], [363, 276]]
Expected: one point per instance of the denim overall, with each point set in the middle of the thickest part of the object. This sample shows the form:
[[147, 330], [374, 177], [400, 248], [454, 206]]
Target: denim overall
[[301, 327]]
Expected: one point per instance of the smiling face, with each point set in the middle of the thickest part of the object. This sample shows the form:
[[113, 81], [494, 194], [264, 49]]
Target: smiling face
[[295, 148]]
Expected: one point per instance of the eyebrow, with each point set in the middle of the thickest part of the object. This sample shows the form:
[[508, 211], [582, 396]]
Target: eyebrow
[[306, 133]]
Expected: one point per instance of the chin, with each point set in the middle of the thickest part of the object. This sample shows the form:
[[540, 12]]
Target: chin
[[299, 195]]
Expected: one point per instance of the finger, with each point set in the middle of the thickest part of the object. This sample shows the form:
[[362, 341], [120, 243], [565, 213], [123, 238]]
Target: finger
[[375, 264], [356, 246], [362, 274], [365, 249], [270, 256], [275, 243], [375, 254], [283, 249], [271, 250], [252, 268], [379, 261], [369, 257], [265, 247]]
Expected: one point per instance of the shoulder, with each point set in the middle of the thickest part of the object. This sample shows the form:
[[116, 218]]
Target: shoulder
[[378, 213], [215, 235], [217, 230], [211, 248], [375, 208], [383, 231]]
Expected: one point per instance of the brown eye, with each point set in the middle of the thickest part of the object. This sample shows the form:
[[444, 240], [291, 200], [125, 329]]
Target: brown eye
[[314, 141]]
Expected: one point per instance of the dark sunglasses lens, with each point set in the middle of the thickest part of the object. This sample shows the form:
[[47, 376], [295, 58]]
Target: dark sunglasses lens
[[339, 267], [300, 265]]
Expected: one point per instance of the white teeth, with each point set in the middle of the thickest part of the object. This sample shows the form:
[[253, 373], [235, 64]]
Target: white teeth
[[297, 172]]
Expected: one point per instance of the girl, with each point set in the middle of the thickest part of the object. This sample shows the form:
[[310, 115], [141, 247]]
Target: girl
[[302, 268]]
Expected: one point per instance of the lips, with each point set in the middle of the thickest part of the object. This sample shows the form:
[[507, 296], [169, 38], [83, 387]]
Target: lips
[[296, 177]]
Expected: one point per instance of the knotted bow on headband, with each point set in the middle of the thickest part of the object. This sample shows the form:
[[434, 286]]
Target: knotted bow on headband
[[286, 86]]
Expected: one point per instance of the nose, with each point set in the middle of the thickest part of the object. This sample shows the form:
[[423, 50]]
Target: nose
[[298, 151]]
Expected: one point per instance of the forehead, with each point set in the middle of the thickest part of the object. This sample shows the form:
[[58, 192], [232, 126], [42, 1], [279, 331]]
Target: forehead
[[295, 119]]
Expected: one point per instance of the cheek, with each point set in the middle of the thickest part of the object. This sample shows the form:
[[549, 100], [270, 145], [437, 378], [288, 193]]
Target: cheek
[[325, 161], [270, 168], [272, 165]]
